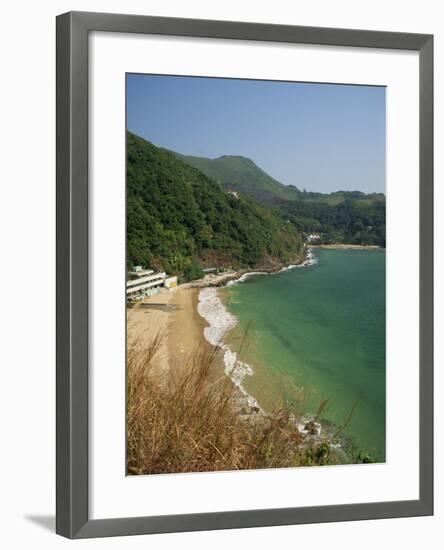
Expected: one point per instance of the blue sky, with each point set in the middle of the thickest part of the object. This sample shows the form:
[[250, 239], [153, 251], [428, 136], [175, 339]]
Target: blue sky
[[319, 137]]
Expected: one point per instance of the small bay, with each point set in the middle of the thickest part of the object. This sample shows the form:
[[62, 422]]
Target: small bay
[[318, 332]]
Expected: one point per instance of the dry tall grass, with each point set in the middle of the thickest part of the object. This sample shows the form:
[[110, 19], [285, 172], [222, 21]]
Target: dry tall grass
[[187, 420]]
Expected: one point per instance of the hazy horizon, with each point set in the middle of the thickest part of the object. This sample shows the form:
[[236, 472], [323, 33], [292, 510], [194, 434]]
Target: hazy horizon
[[319, 137]]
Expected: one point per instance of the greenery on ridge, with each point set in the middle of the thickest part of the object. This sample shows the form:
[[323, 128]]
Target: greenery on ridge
[[179, 219], [241, 174], [351, 217], [350, 221], [185, 213]]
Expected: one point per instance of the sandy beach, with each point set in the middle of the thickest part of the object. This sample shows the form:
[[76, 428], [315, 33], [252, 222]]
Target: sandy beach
[[173, 316]]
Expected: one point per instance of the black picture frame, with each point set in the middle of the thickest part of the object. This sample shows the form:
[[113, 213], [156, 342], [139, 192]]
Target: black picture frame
[[72, 518]]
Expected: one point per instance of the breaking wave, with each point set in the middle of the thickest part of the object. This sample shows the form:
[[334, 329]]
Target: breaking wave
[[310, 259], [221, 321]]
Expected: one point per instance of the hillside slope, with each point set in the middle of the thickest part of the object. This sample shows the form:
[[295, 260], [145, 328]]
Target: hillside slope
[[177, 217], [340, 217], [351, 221], [243, 175]]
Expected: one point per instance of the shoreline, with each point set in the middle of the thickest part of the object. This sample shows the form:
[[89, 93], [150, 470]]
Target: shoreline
[[172, 316], [178, 318], [339, 246], [314, 431], [193, 316], [220, 323], [232, 276]]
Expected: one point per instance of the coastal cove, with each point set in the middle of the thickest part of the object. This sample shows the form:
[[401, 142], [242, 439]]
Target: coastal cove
[[255, 303], [314, 332]]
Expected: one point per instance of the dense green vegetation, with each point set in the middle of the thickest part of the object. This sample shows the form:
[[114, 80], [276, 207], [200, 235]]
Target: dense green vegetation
[[340, 196], [241, 174], [350, 221], [178, 219], [351, 217]]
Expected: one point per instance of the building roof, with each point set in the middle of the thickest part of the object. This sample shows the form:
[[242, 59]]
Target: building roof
[[147, 279]]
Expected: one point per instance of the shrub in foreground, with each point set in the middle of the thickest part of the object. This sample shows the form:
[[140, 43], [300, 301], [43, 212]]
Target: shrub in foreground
[[188, 420]]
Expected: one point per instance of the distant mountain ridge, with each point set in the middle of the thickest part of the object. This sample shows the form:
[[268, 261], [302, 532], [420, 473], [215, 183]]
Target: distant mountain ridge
[[229, 212], [241, 174], [353, 217]]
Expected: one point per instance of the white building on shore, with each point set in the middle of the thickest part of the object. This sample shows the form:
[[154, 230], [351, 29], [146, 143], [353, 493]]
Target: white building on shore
[[313, 237], [145, 282]]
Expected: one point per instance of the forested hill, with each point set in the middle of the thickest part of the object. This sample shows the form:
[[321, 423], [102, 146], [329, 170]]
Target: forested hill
[[350, 217], [241, 174], [350, 221], [178, 218]]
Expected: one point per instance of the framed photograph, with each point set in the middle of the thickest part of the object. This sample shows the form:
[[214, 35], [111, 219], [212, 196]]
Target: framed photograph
[[244, 275]]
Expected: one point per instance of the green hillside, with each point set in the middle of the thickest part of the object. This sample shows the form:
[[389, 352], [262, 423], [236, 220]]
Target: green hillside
[[350, 221], [178, 218], [337, 197], [242, 175], [351, 217]]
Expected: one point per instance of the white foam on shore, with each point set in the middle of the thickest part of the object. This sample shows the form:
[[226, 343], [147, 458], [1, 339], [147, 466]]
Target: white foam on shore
[[221, 321], [310, 259], [245, 276]]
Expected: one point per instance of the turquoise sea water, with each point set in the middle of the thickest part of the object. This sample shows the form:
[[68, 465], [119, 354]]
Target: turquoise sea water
[[316, 332]]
